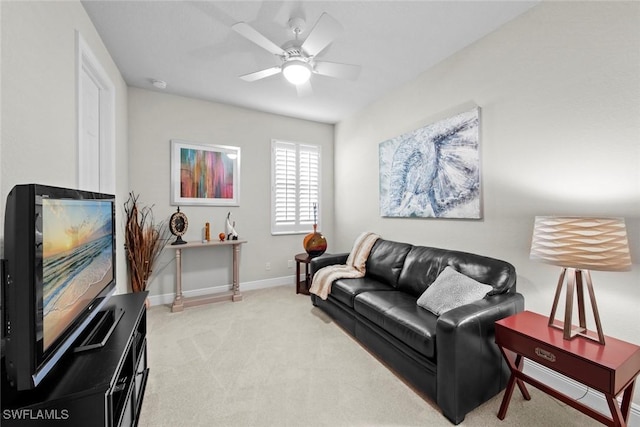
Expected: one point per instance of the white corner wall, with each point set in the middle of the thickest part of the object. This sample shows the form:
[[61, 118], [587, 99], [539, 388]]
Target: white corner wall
[[154, 119], [38, 109], [559, 91]]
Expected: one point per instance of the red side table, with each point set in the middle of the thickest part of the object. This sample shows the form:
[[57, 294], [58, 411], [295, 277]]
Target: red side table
[[610, 369]]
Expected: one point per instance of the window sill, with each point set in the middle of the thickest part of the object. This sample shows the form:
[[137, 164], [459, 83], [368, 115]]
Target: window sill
[[288, 233]]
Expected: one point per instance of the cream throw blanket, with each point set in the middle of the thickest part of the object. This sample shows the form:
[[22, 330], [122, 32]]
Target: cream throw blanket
[[354, 268]]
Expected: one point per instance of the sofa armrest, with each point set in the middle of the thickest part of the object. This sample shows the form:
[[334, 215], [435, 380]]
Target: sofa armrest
[[470, 367], [327, 259]]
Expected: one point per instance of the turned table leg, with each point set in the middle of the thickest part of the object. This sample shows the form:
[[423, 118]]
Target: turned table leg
[[237, 296], [177, 301]]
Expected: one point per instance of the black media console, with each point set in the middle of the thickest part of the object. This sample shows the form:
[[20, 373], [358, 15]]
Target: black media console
[[102, 386]]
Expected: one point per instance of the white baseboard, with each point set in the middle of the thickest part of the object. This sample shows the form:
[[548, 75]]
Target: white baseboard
[[165, 299], [587, 396]]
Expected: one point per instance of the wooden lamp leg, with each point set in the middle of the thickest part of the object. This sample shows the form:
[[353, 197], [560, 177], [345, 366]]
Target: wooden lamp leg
[[556, 299], [575, 284], [594, 306]]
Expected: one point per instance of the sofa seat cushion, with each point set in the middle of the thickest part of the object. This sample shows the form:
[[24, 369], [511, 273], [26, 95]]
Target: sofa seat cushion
[[398, 314], [345, 290]]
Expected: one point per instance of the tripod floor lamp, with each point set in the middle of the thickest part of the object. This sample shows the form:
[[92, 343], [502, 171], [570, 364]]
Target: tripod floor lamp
[[579, 245]]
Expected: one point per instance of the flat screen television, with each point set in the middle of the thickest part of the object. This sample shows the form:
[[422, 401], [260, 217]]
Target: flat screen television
[[59, 270]]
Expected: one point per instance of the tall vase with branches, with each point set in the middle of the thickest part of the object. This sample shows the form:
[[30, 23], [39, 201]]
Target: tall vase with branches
[[144, 242]]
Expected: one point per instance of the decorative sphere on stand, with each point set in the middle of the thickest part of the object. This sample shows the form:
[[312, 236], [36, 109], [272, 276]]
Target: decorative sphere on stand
[[314, 243]]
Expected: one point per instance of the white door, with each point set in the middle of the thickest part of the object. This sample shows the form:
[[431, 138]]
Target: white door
[[89, 147], [96, 123]]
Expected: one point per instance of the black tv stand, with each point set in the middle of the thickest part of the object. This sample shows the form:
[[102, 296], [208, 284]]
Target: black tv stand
[[102, 328], [102, 387]]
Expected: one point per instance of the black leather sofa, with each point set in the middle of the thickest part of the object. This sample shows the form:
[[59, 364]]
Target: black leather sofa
[[451, 358]]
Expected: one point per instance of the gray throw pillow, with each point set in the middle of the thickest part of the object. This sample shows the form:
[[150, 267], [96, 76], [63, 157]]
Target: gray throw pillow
[[451, 290]]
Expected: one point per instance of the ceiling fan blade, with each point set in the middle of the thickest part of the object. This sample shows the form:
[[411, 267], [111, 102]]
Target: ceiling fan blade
[[340, 71], [304, 89], [321, 35], [253, 35], [252, 77]]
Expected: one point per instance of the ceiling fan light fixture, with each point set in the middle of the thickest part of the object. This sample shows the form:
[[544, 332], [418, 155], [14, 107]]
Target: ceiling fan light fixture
[[296, 71]]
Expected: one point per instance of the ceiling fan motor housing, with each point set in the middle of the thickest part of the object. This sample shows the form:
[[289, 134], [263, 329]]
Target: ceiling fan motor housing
[[292, 49]]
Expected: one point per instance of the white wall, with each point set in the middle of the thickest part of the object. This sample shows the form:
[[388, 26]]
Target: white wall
[[39, 126], [156, 118], [559, 90]]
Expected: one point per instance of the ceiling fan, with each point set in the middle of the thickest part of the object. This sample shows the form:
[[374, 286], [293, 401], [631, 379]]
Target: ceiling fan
[[299, 57]]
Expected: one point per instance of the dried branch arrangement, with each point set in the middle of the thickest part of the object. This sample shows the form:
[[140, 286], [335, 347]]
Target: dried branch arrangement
[[144, 242]]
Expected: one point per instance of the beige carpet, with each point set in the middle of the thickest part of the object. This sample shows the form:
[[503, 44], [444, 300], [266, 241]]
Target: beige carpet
[[275, 360]]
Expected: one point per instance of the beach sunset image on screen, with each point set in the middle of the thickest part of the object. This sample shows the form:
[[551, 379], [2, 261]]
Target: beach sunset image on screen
[[77, 246]]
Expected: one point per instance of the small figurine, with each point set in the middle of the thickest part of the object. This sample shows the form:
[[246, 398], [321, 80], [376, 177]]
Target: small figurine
[[207, 232], [232, 234]]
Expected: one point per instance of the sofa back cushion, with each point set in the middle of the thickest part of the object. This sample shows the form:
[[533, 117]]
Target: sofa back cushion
[[386, 261], [424, 264]]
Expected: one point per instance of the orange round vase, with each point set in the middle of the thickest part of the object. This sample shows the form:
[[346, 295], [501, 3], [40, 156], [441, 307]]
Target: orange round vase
[[314, 243]]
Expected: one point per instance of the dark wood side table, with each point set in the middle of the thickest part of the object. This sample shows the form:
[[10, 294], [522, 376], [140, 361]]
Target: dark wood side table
[[610, 369], [302, 286]]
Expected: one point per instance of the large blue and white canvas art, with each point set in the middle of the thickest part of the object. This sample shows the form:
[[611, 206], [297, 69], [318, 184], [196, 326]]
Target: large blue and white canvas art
[[434, 171]]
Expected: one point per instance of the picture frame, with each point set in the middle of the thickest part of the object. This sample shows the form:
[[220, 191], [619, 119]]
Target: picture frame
[[204, 174], [433, 171]]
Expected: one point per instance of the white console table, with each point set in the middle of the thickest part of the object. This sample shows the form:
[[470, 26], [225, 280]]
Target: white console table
[[180, 302]]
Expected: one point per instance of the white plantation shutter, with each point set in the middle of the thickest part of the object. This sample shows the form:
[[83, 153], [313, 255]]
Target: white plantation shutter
[[295, 183], [309, 185], [285, 193]]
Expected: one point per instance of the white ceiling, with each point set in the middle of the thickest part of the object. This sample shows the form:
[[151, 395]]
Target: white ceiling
[[191, 46]]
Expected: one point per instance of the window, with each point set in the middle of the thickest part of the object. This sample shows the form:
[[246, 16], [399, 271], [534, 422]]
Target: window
[[295, 186]]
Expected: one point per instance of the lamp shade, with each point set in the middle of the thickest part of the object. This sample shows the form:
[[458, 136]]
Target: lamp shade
[[581, 242], [296, 71]]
